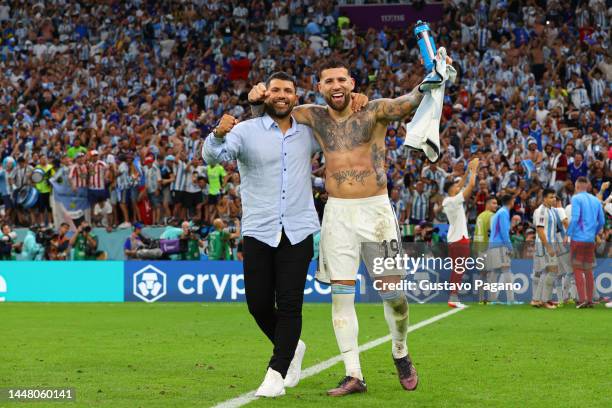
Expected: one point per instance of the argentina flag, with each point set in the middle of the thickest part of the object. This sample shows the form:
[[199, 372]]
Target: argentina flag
[[72, 201], [529, 167]]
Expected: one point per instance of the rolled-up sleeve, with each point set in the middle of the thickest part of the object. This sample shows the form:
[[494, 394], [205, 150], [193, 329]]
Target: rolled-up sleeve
[[216, 150]]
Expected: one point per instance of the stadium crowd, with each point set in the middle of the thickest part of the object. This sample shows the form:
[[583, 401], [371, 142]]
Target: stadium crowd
[[115, 98]]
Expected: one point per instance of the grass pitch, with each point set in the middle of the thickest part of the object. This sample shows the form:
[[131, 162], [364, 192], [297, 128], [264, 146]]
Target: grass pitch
[[197, 355]]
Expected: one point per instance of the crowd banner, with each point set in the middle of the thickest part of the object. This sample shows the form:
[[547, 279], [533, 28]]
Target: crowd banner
[[395, 16]]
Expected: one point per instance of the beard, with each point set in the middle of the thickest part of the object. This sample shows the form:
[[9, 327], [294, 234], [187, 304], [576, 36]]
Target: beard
[[276, 112], [338, 106]]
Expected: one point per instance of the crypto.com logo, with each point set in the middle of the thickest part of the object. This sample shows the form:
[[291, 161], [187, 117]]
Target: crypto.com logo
[[149, 284], [428, 276]]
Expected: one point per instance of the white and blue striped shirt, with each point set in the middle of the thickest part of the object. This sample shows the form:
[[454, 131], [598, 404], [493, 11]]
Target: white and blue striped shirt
[[124, 179], [598, 88], [275, 172], [484, 35], [193, 147], [152, 178], [180, 181], [544, 217], [420, 205], [438, 175]]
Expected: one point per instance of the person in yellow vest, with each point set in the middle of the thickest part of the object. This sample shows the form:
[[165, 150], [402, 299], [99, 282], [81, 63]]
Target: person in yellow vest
[[44, 191]]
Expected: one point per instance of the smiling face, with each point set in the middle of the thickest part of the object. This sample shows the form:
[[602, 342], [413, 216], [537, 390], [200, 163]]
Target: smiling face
[[336, 86], [281, 98]]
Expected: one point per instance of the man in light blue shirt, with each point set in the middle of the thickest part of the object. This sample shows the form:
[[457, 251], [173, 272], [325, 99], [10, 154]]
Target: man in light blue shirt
[[500, 246], [585, 223], [500, 225], [279, 218]]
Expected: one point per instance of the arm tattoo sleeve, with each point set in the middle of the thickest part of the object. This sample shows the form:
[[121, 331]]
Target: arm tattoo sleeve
[[257, 110], [398, 108]]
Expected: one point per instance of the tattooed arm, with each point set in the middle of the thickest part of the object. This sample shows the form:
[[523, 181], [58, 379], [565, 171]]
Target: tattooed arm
[[388, 110], [257, 110]]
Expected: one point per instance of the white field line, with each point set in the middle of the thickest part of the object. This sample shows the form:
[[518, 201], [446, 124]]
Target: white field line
[[317, 368]]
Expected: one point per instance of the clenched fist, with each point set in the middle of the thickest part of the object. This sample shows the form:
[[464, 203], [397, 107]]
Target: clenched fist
[[226, 124], [473, 165], [358, 101], [258, 94]]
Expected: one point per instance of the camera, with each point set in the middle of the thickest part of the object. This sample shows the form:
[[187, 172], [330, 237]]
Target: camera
[[87, 229], [43, 236]]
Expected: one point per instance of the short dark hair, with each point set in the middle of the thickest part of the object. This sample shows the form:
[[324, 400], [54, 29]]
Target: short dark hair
[[281, 75], [506, 198], [582, 179], [490, 199], [333, 63], [548, 191], [448, 185]]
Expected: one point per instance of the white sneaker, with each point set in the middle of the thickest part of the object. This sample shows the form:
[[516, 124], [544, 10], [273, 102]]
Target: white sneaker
[[295, 368], [457, 305], [124, 225], [609, 305], [272, 385]]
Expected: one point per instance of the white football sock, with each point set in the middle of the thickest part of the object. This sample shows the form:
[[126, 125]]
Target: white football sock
[[507, 277], [396, 314], [539, 288], [346, 327], [493, 277], [535, 281], [548, 286]]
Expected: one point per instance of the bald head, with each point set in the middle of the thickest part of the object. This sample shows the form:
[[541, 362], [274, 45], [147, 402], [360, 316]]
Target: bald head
[[218, 223]]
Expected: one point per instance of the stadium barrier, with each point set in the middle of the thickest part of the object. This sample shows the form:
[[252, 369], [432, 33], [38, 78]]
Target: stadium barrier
[[212, 281]]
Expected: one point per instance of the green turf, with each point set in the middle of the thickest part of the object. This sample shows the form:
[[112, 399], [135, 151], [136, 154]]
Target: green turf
[[187, 355]]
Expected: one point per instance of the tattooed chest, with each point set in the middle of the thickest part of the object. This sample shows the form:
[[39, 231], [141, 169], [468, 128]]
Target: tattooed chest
[[346, 135]]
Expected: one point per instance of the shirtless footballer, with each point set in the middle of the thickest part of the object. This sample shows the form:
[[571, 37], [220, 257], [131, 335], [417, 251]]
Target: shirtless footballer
[[358, 210]]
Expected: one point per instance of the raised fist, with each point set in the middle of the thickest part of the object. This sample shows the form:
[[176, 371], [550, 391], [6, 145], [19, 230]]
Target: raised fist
[[226, 124], [258, 93]]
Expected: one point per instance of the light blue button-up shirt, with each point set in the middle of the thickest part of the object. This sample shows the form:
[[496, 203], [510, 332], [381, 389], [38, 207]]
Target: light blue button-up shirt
[[587, 218], [275, 171]]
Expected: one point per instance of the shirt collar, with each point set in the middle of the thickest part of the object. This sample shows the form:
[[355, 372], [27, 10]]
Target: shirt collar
[[268, 123]]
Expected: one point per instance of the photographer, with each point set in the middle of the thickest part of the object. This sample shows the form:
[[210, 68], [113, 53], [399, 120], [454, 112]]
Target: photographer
[[137, 246], [425, 232], [32, 250], [85, 244], [219, 240], [190, 243], [59, 247], [134, 242], [8, 244]]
